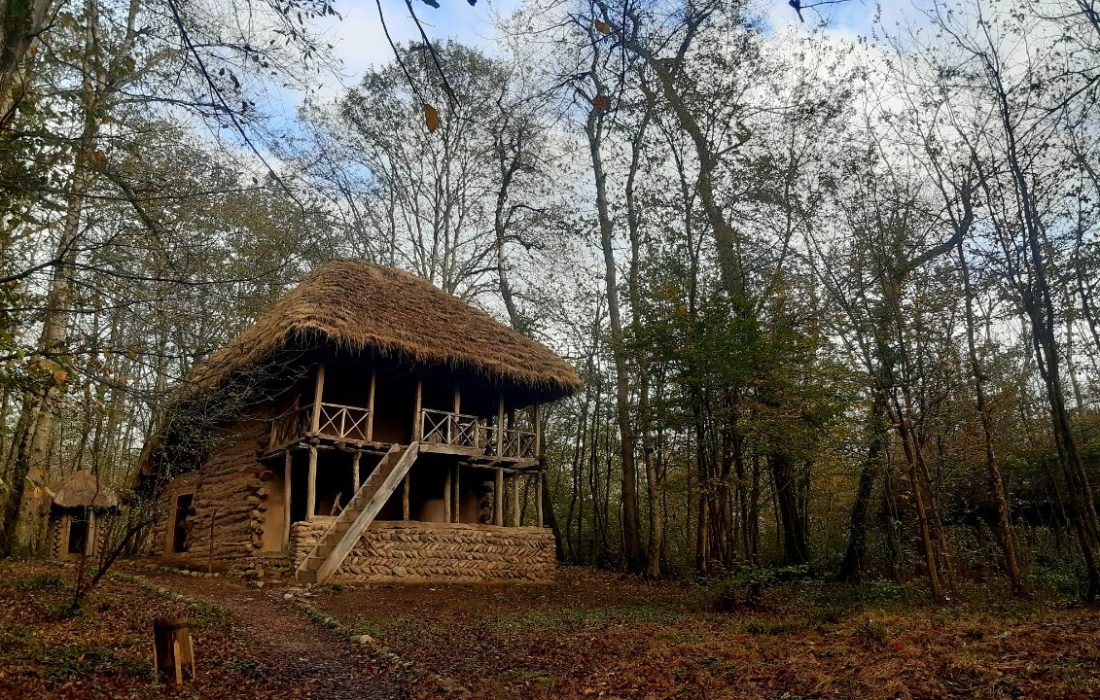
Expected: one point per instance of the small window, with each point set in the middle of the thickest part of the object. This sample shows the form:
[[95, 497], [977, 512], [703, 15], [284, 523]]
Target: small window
[[179, 531], [78, 534]]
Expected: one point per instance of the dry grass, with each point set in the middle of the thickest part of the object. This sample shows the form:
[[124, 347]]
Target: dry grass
[[84, 489]]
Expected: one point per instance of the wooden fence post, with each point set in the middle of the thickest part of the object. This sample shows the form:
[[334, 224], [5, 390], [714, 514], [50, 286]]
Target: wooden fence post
[[173, 652]]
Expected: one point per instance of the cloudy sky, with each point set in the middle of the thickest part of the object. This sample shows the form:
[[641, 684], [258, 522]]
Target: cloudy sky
[[359, 40]]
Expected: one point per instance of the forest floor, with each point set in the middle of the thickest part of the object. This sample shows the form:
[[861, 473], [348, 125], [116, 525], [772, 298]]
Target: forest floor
[[590, 634]]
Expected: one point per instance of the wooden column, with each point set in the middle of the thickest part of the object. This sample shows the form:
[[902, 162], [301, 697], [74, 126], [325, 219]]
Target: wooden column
[[405, 500], [311, 494], [416, 408], [318, 392], [288, 461], [370, 405], [447, 497], [538, 496], [452, 425], [515, 501], [500, 427], [355, 474], [498, 498], [538, 430], [90, 534], [456, 511]]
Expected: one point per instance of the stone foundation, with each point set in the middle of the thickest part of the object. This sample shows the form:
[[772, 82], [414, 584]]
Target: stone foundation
[[411, 551]]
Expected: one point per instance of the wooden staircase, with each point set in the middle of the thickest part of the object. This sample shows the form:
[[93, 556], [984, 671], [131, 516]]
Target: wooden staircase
[[337, 542]]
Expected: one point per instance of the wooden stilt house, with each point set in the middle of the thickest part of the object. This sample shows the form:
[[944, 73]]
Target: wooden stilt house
[[382, 429]]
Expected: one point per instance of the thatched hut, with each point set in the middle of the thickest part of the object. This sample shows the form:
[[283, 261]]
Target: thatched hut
[[77, 515], [381, 429]]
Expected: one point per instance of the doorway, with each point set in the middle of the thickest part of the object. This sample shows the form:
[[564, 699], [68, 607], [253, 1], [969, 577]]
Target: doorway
[[179, 522]]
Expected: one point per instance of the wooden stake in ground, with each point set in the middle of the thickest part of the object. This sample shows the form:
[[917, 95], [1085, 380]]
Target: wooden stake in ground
[[173, 653]]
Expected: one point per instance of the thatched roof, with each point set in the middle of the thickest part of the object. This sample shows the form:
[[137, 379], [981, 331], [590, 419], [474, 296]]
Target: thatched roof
[[83, 489], [358, 306]]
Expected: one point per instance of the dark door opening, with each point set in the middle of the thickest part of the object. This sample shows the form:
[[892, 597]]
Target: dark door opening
[[78, 534], [299, 486], [179, 531]]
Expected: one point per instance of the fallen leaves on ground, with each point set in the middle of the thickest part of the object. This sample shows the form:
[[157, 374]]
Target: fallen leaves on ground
[[592, 634]]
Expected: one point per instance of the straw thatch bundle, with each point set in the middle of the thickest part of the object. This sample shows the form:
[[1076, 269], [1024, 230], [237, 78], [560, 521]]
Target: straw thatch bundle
[[359, 306], [83, 489]]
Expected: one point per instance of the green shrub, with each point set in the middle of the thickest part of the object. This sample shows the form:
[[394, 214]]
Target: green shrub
[[243, 666], [872, 631], [39, 582], [745, 589], [362, 626]]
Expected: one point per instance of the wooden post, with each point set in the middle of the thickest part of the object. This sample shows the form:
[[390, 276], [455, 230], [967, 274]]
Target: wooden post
[[453, 429], [318, 393], [355, 474], [311, 494], [173, 652], [416, 408], [500, 427], [456, 512], [288, 461], [516, 519], [447, 497], [498, 498], [370, 405], [538, 496], [538, 431], [89, 538], [405, 500]]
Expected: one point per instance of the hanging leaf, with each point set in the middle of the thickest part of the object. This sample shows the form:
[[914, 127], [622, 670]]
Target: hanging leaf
[[431, 117], [602, 27]]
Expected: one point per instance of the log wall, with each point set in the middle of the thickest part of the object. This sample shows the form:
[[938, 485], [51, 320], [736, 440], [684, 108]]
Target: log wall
[[231, 493], [410, 551]]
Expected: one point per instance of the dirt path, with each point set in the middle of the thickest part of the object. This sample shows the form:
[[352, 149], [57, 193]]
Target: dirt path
[[305, 658]]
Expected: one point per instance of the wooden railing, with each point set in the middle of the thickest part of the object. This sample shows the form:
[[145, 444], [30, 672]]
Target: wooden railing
[[343, 422], [461, 430], [335, 421], [447, 428], [436, 427], [519, 443], [288, 427]]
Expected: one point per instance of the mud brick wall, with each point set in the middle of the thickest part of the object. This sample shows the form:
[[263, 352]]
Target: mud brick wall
[[225, 524], [400, 551]]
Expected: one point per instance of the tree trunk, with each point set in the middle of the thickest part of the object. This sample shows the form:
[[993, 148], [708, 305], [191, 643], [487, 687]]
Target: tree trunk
[[852, 567], [632, 538], [1006, 538], [796, 543]]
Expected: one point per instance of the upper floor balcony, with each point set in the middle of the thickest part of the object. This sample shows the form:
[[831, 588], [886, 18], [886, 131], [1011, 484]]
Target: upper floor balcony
[[508, 435]]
